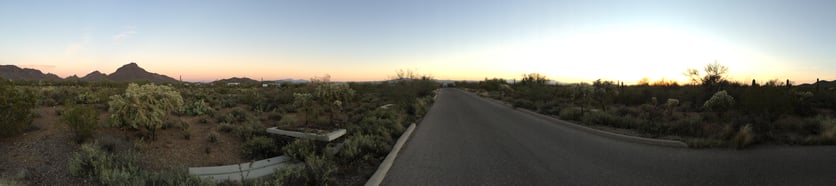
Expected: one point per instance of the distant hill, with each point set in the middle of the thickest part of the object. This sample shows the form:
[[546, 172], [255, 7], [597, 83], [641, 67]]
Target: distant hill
[[132, 72], [17, 73], [823, 84], [241, 80], [95, 76]]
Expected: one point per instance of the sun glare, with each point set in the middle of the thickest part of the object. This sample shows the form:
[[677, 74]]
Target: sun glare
[[629, 55]]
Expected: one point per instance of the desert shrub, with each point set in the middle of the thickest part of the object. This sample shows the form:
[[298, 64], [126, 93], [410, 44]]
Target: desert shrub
[[248, 129], [720, 102], [122, 169], [380, 122], [82, 120], [569, 113], [300, 149], [522, 103], [744, 137], [600, 118], [213, 137], [363, 149], [288, 121], [143, 107], [316, 171], [108, 169], [226, 127], [260, 147], [550, 108], [198, 108], [15, 109]]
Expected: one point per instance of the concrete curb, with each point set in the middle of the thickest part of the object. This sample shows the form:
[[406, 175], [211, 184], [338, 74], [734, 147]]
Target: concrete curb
[[634, 139], [384, 167]]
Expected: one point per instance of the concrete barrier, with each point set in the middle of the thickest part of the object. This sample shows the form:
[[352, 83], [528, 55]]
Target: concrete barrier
[[331, 136], [242, 171]]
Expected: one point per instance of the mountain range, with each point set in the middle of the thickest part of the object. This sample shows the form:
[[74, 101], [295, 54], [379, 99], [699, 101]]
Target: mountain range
[[130, 72]]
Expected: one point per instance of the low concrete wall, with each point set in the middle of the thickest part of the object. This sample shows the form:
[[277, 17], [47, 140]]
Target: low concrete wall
[[320, 137], [242, 171]]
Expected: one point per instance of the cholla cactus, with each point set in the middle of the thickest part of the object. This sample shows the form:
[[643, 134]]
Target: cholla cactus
[[143, 107], [304, 101], [720, 102]]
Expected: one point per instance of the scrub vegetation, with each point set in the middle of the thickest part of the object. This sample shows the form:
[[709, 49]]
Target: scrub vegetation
[[147, 134], [709, 111]]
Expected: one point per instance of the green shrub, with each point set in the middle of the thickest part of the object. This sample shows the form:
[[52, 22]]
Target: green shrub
[[82, 120], [300, 149], [569, 113], [108, 169], [363, 149], [15, 109], [260, 147], [522, 103], [123, 169], [316, 171], [385, 123]]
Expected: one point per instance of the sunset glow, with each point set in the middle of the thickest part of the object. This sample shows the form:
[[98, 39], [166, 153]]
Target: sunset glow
[[568, 41]]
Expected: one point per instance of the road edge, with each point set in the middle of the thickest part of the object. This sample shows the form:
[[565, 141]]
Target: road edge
[[616, 136], [384, 167]]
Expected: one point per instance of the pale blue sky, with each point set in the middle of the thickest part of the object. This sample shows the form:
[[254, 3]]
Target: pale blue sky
[[368, 40]]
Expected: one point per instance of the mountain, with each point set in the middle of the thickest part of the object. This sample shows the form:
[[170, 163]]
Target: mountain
[[17, 73], [95, 76], [132, 72], [241, 80]]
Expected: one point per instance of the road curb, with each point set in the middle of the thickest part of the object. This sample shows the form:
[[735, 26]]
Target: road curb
[[634, 139], [384, 167]]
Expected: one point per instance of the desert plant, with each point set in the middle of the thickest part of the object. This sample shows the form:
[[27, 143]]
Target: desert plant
[[260, 147], [570, 114], [720, 102], [213, 137], [15, 109], [744, 137], [198, 108], [363, 148], [305, 101], [143, 107], [82, 120], [300, 149]]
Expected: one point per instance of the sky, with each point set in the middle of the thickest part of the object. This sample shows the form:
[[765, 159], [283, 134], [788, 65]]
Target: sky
[[568, 41]]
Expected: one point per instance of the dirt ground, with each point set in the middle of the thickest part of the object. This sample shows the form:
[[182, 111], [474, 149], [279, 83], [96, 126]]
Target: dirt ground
[[40, 156]]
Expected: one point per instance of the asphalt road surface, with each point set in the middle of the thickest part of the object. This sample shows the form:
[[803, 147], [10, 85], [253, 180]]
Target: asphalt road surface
[[468, 140]]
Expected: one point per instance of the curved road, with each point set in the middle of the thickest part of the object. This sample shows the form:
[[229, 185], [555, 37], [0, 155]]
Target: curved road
[[468, 140]]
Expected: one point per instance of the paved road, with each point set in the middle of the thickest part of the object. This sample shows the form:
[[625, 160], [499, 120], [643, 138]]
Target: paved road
[[467, 140]]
